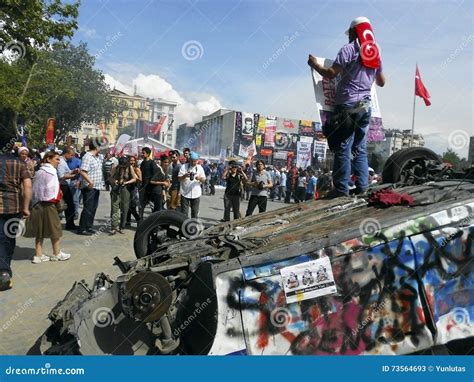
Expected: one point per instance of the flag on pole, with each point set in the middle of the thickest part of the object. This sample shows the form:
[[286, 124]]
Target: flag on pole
[[50, 131], [420, 89], [157, 126]]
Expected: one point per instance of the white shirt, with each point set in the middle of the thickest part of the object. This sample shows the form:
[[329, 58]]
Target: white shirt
[[191, 189]]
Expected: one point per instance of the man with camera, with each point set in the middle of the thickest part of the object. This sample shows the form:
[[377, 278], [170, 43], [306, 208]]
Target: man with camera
[[260, 184], [234, 176], [191, 176]]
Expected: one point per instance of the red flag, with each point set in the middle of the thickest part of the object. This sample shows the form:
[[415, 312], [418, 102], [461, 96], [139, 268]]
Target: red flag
[[420, 89], [50, 131], [157, 126]]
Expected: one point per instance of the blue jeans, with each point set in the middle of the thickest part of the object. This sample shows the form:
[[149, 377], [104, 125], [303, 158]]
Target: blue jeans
[[8, 230], [90, 202], [76, 193], [355, 145]]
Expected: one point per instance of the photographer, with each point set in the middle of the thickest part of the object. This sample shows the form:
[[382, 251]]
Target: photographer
[[233, 176], [259, 184], [121, 176], [191, 176]]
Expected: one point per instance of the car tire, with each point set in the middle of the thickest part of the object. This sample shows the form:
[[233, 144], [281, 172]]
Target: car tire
[[171, 221], [395, 164]]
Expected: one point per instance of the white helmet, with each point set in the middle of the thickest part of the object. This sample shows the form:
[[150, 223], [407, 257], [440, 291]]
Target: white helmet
[[357, 21]]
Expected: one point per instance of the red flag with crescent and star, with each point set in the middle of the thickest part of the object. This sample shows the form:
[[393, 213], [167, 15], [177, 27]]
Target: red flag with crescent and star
[[420, 89], [369, 50]]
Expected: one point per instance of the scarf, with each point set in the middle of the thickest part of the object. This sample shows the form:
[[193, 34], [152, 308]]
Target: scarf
[[45, 184], [369, 51]]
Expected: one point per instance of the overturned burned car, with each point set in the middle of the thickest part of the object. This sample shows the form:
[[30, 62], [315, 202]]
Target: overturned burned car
[[395, 280]]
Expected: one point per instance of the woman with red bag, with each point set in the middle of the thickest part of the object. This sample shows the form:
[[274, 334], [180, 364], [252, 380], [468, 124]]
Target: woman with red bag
[[44, 222]]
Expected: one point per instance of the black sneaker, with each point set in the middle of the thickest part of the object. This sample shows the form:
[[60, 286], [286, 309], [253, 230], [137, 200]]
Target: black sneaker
[[5, 281], [91, 231], [83, 233]]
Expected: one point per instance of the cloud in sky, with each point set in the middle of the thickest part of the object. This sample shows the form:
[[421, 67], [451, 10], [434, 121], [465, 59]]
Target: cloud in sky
[[190, 108]]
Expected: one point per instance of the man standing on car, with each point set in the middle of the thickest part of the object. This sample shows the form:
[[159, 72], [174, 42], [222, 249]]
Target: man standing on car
[[191, 176], [358, 65]]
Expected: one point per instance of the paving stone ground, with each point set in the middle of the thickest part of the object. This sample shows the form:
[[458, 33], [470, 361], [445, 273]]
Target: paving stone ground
[[38, 287]]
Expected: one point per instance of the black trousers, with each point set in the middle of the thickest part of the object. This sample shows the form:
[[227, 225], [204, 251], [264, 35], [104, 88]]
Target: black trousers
[[70, 210], [146, 196], [260, 201], [231, 201], [132, 209]]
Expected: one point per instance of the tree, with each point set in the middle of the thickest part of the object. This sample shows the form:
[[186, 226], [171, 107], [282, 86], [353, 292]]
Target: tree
[[62, 84], [455, 160], [28, 26]]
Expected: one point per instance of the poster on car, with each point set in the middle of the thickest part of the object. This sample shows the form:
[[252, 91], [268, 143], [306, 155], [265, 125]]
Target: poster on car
[[308, 280]]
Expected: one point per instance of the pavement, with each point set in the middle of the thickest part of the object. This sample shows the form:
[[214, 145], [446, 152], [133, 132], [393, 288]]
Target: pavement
[[38, 287]]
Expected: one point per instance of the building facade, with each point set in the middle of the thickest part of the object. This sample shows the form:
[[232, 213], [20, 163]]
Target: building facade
[[396, 140], [276, 140], [162, 111], [138, 117]]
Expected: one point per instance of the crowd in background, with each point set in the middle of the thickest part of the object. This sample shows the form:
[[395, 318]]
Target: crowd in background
[[62, 180]]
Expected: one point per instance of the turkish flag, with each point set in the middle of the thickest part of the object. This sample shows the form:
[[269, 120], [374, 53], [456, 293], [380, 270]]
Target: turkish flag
[[420, 89], [157, 126], [50, 131]]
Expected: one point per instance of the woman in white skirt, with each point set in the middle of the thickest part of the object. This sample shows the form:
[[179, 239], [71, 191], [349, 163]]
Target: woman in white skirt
[[44, 222]]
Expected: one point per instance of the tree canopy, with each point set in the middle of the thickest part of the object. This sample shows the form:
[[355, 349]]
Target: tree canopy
[[28, 26], [62, 84]]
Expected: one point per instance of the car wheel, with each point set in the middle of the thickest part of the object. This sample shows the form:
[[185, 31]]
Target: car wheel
[[407, 161], [158, 228]]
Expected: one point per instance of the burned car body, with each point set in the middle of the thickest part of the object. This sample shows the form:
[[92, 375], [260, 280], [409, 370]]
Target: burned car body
[[403, 278]]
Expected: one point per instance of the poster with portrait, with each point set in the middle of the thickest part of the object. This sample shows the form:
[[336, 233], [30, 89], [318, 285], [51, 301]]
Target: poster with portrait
[[248, 128], [308, 280]]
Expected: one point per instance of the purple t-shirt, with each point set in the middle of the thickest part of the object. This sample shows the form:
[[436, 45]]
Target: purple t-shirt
[[355, 80]]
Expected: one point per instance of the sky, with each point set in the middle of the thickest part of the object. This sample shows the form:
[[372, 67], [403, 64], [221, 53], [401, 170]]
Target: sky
[[251, 56]]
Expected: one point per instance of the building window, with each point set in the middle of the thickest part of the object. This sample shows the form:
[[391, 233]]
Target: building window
[[120, 122], [159, 107], [130, 113], [171, 109], [140, 114], [129, 122], [142, 104], [130, 104]]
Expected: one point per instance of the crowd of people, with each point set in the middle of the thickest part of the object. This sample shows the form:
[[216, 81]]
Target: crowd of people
[[45, 187]]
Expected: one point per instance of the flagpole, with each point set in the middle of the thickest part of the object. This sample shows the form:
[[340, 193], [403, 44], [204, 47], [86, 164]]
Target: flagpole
[[413, 117]]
